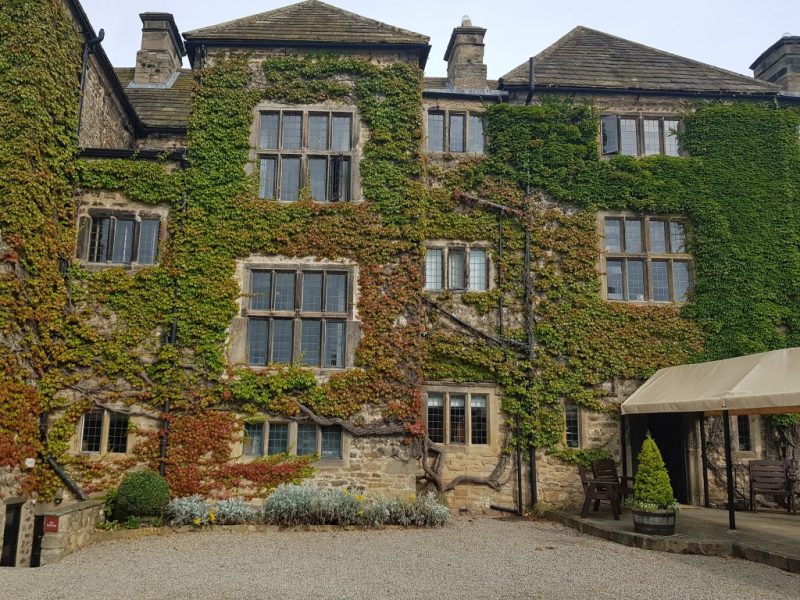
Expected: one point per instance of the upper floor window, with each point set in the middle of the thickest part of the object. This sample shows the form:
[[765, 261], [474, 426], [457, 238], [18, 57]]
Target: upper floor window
[[118, 237], [452, 131], [298, 315], [456, 267], [646, 259], [457, 417], [640, 136], [104, 431], [306, 147]]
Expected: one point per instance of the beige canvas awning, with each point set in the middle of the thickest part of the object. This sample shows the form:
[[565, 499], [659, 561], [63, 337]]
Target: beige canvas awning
[[755, 384]]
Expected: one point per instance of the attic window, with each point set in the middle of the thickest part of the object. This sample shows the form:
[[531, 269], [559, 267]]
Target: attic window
[[640, 136]]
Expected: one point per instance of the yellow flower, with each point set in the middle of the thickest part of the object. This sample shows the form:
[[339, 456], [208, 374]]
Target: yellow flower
[[196, 521], [212, 516], [359, 498], [360, 512]]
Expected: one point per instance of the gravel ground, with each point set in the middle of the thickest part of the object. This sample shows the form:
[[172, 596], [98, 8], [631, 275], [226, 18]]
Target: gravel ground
[[474, 558]]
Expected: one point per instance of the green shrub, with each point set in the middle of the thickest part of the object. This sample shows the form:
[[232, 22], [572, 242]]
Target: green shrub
[[652, 489], [142, 494]]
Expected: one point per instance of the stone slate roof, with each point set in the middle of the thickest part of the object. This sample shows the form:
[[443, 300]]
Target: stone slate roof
[[160, 107], [587, 58], [310, 21]]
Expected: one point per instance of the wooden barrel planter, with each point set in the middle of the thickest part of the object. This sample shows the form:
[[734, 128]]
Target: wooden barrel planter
[[660, 522]]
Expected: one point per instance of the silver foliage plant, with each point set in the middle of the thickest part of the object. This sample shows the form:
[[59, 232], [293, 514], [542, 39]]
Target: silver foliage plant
[[190, 510], [236, 511], [308, 504]]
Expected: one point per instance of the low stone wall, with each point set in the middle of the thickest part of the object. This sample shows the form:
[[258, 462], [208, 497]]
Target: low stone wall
[[76, 522]]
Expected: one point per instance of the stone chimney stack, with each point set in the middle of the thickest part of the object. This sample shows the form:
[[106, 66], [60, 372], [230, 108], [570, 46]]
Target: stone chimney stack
[[159, 59], [780, 64], [464, 56]]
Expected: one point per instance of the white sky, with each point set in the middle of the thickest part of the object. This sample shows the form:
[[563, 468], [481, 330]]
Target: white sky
[[726, 33]]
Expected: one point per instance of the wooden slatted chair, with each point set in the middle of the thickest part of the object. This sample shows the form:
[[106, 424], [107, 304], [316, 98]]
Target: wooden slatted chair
[[605, 469], [596, 490], [771, 478]]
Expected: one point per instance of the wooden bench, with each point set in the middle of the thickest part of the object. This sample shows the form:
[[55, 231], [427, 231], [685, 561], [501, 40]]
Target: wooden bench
[[595, 490], [771, 478]]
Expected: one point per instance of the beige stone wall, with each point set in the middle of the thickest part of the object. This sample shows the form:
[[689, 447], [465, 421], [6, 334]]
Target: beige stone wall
[[104, 123], [76, 523]]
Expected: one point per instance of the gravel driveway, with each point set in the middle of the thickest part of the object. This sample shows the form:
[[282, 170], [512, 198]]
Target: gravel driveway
[[473, 558]]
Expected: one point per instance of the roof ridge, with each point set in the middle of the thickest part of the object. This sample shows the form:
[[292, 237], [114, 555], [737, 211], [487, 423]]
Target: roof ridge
[[679, 57], [299, 6]]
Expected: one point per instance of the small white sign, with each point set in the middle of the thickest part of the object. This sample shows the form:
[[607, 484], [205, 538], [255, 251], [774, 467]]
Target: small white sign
[[30, 463]]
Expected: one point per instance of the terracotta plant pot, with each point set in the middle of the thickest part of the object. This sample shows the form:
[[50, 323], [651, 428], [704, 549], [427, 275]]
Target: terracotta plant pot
[[661, 522]]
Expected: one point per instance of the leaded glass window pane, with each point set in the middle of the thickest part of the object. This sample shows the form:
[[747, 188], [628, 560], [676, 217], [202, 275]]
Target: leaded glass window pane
[[434, 267], [261, 290], [253, 442], [677, 237], [318, 132], [278, 438], [680, 280], [257, 336], [743, 427], [336, 292], [435, 132], [476, 139], [282, 340], [572, 426], [306, 439], [342, 132], [332, 442], [671, 147], [457, 133], [455, 260], [290, 179], [636, 280], [334, 344], [266, 188], [268, 137], [436, 418], [479, 433], [310, 342], [627, 133], [284, 290], [312, 292], [318, 178], [148, 241], [118, 433], [292, 131], [615, 289], [651, 137], [344, 181], [92, 431], [122, 251], [658, 238], [478, 270], [633, 235], [98, 239], [660, 279], [613, 235], [458, 421]]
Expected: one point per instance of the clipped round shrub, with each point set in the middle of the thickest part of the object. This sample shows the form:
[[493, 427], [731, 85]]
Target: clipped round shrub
[[141, 494]]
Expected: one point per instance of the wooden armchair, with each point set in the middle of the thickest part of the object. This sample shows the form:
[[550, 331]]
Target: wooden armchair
[[771, 478], [595, 490], [605, 469]]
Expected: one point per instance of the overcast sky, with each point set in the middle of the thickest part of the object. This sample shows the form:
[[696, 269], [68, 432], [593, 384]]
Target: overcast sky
[[726, 33]]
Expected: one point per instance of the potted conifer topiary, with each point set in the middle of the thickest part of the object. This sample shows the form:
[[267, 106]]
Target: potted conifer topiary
[[653, 504]]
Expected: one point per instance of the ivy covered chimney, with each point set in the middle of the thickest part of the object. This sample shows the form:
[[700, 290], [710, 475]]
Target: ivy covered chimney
[[159, 59], [780, 64], [464, 56]]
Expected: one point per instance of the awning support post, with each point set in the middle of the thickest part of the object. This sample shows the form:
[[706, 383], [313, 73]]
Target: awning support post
[[726, 428], [623, 442], [704, 457]]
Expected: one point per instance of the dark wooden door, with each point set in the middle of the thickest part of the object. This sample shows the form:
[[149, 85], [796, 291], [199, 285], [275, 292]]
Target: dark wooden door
[[38, 534], [11, 535]]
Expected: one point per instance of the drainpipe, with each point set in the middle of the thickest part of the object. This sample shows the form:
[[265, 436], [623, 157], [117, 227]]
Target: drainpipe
[[500, 272], [88, 48], [71, 485], [531, 79]]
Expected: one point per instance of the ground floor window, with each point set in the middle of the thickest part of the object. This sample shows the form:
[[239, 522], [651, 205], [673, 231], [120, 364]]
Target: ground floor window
[[457, 417], [302, 439], [573, 426]]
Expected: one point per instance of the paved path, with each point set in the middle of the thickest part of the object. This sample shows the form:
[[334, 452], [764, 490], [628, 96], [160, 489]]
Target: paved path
[[481, 558]]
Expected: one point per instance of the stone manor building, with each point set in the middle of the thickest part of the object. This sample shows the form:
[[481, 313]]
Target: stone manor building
[[474, 290]]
